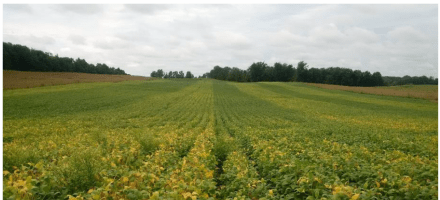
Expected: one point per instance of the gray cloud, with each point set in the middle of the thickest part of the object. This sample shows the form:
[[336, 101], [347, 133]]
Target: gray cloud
[[147, 8], [110, 43], [19, 7], [77, 39], [30, 39], [79, 9], [395, 40]]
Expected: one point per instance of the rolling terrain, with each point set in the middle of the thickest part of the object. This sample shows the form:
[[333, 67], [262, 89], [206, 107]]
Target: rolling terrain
[[429, 92], [210, 139], [20, 79]]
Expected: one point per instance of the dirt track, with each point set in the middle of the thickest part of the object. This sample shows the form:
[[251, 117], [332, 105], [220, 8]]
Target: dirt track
[[18, 79]]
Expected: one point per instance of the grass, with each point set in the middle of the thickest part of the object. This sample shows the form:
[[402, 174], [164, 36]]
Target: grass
[[184, 139]]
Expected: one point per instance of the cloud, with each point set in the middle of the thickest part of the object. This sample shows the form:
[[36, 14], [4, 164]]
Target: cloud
[[139, 34], [88, 9], [147, 8], [327, 34], [77, 39], [231, 40], [407, 34], [356, 34], [31, 40], [394, 39], [285, 38], [18, 8], [110, 43]]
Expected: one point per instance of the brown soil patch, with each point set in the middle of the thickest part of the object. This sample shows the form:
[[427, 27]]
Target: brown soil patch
[[18, 79], [429, 92]]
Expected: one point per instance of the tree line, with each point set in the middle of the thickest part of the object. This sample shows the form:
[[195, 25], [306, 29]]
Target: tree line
[[261, 71], [172, 74], [406, 80], [21, 58]]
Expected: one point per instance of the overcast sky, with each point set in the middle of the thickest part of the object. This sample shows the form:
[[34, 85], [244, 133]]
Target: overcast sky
[[395, 40]]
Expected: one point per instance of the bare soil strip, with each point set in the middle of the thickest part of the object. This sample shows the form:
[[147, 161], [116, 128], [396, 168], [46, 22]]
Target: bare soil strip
[[19, 79], [429, 92]]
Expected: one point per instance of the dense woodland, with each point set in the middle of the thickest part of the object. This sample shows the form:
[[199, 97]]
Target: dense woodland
[[21, 58], [406, 80], [260, 71]]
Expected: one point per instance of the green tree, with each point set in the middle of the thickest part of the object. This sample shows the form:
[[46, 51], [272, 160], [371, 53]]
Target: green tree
[[302, 71], [256, 71], [159, 73], [189, 75], [377, 78]]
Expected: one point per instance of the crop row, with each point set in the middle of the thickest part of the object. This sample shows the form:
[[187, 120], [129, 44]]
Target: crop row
[[297, 165], [220, 140]]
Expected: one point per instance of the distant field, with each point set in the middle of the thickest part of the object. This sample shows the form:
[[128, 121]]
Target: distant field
[[429, 92], [18, 79], [209, 139]]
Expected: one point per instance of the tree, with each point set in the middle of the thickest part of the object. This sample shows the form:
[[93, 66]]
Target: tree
[[189, 75], [278, 72], [366, 80], [159, 73], [175, 74], [153, 74], [260, 71], [181, 74], [21, 58], [377, 79], [302, 71], [256, 71]]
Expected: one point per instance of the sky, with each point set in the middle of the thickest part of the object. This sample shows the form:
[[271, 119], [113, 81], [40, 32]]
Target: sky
[[395, 40]]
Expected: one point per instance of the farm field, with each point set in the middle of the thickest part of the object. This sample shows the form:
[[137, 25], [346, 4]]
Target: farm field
[[209, 139], [20, 79], [429, 92]]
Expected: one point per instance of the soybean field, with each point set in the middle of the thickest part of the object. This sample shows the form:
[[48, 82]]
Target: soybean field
[[210, 139]]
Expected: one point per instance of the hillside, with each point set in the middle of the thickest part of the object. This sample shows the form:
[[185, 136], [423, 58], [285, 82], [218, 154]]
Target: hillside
[[19, 79], [210, 139]]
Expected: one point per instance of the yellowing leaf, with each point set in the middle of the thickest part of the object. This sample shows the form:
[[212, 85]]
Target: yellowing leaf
[[209, 174], [355, 197], [406, 179], [186, 195]]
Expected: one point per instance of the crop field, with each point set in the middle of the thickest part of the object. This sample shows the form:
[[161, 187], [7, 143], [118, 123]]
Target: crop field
[[20, 79], [429, 92], [209, 139]]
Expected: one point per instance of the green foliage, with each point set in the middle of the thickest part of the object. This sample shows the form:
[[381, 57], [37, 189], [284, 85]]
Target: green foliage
[[260, 71], [148, 143], [222, 147], [209, 139], [406, 80], [80, 171], [189, 75], [21, 58]]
